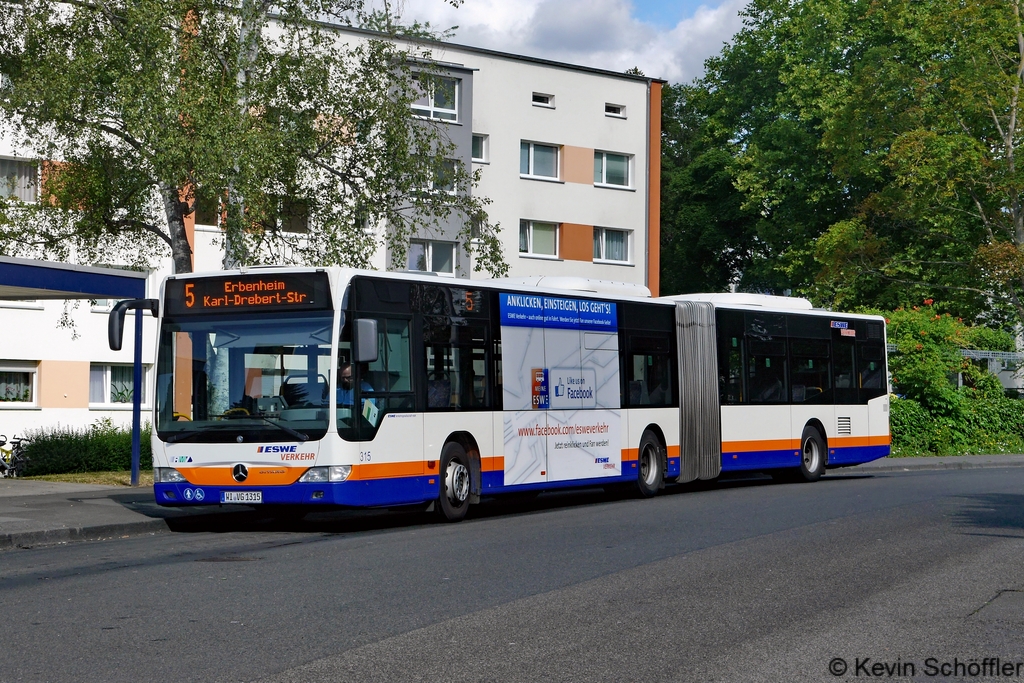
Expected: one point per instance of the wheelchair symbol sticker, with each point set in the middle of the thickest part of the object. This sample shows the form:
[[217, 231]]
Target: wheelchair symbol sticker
[[200, 495]]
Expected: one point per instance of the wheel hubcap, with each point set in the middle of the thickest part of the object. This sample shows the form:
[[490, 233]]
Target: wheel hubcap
[[456, 480], [811, 455], [648, 465]]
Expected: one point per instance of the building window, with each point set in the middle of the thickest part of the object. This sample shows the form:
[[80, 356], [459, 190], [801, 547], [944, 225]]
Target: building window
[[442, 178], [480, 148], [207, 209], [294, 215], [538, 239], [438, 97], [19, 179], [611, 169], [615, 110], [611, 245], [17, 384], [431, 256], [543, 100], [538, 161], [30, 304], [112, 384]]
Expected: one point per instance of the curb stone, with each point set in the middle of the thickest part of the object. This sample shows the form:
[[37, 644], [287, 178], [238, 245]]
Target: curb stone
[[87, 533]]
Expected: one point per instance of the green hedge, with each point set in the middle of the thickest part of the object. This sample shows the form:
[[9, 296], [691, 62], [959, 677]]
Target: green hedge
[[101, 447], [973, 426]]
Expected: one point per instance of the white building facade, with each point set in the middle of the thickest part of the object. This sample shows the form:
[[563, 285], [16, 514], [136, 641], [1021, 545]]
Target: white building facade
[[569, 157]]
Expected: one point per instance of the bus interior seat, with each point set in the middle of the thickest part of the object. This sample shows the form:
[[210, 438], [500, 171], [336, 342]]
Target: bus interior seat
[[638, 393], [439, 393]]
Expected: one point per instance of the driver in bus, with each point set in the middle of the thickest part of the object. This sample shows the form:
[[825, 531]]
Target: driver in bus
[[346, 395]]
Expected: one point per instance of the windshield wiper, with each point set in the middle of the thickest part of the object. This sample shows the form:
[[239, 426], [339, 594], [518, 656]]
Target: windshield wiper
[[183, 436], [284, 428]]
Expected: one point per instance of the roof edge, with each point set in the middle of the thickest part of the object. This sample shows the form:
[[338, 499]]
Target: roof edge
[[488, 52]]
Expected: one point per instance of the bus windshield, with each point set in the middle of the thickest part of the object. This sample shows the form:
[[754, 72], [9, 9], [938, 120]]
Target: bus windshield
[[226, 380]]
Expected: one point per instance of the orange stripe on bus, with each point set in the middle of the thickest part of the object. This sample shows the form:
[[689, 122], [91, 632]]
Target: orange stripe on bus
[[631, 454], [385, 470], [494, 463], [760, 445], [851, 441], [259, 475]]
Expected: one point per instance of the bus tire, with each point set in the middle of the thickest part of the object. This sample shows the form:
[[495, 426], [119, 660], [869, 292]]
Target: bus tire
[[453, 502], [650, 465], [812, 456]]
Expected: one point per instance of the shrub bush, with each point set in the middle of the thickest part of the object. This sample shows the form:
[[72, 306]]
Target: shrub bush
[[101, 447], [932, 415], [979, 425]]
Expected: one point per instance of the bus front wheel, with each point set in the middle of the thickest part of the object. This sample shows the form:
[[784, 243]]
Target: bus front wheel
[[453, 503], [650, 465]]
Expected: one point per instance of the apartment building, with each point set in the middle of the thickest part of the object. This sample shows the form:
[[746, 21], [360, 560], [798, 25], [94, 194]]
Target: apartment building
[[569, 157]]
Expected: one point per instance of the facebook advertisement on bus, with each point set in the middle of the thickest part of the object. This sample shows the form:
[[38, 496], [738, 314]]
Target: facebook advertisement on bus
[[561, 388]]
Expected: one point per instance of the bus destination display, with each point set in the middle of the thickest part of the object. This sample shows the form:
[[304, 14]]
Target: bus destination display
[[237, 293]]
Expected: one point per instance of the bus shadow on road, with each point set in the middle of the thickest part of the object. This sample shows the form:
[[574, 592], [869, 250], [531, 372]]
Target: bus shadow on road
[[992, 511]]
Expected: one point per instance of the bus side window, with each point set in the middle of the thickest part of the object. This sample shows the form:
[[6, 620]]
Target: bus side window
[[810, 378], [844, 370], [456, 363], [730, 356], [766, 371], [650, 375], [871, 370]]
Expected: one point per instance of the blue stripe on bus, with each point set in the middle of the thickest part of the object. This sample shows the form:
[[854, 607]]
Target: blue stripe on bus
[[370, 492], [763, 460], [855, 455]]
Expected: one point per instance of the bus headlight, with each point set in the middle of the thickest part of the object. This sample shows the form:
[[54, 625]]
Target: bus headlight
[[340, 472], [314, 475], [168, 475]]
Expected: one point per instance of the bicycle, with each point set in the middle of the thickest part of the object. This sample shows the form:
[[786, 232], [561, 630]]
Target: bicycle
[[13, 460]]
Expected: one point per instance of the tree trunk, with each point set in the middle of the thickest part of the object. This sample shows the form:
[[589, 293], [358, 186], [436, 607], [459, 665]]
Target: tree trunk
[[181, 250]]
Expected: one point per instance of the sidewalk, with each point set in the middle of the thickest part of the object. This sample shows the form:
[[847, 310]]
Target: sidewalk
[[47, 513]]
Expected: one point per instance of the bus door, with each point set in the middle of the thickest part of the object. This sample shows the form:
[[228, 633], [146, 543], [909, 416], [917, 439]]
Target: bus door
[[851, 425], [766, 438], [874, 385], [810, 374]]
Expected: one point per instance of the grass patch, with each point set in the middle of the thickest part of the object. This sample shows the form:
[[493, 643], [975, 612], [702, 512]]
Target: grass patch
[[104, 478]]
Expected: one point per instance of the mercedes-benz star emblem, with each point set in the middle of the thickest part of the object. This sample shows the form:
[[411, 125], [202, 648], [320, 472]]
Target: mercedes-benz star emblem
[[240, 472]]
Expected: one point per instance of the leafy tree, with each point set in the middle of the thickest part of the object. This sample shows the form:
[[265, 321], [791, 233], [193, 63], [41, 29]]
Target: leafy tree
[[147, 106], [706, 235], [873, 146], [932, 113]]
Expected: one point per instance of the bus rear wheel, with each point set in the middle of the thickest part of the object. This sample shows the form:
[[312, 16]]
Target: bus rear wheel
[[650, 465], [453, 503], [812, 456]]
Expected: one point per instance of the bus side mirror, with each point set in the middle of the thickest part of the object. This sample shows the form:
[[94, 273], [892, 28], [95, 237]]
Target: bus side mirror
[[366, 340], [115, 323]]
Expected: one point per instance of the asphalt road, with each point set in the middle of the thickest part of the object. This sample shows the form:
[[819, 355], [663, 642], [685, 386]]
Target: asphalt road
[[739, 581]]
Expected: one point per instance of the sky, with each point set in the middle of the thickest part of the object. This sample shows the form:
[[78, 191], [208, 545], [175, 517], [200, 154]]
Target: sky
[[664, 38]]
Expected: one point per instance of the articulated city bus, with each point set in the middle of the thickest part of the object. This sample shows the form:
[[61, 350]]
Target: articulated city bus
[[308, 388]]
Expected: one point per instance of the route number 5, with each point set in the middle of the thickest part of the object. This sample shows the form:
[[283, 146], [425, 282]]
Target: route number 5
[[190, 298]]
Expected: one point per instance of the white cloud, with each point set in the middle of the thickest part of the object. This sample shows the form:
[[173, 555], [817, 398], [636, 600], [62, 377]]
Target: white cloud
[[596, 33]]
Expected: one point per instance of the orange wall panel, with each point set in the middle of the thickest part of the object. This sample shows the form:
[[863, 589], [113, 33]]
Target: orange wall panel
[[578, 164], [63, 384], [577, 242], [654, 193]]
